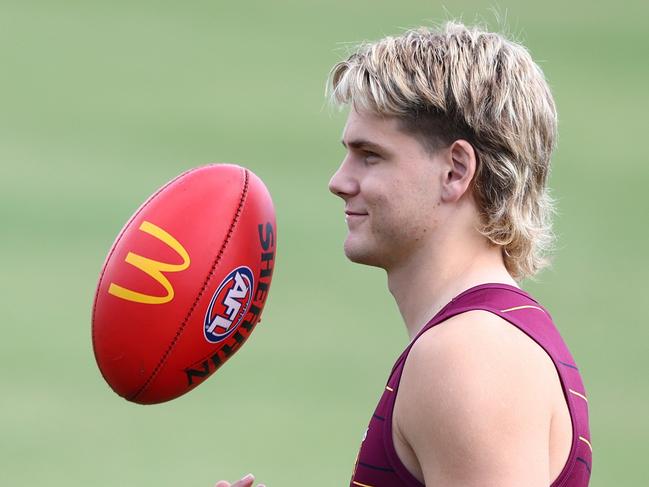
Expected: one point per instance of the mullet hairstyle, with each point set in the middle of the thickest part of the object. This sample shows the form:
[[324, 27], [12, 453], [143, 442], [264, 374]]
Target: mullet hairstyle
[[461, 82]]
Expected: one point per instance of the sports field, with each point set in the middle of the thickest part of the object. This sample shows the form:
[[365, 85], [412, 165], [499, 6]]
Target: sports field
[[104, 101]]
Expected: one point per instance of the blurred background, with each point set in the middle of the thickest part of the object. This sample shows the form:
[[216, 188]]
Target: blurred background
[[102, 102]]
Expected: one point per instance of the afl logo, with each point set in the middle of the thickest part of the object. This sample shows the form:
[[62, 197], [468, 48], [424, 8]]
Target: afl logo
[[229, 305]]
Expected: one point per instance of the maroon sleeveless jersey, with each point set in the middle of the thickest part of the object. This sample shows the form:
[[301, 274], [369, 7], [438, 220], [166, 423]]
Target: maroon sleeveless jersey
[[378, 465]]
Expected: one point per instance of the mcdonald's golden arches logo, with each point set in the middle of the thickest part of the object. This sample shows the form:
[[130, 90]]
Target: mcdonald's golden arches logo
[[153, 268]]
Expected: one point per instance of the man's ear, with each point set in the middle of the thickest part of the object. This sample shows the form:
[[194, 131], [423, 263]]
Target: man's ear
[[461, 167]]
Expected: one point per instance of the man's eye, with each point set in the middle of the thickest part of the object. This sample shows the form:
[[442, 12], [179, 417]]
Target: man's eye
[[371, 157]]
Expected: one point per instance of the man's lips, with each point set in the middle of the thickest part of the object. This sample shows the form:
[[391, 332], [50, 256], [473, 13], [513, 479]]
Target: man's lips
[[354, 217]]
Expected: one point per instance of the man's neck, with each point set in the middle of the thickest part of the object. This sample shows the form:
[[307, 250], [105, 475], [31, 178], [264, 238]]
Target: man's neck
[[428, 280]]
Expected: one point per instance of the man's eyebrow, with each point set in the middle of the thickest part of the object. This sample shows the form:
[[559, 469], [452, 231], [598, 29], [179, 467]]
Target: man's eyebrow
[[363, 144]]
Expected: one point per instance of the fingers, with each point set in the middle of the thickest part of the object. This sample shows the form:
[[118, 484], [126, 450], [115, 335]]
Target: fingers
[[246, 481]]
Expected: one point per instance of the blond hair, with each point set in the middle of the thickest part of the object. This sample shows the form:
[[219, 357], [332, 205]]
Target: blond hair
[[460, 82]]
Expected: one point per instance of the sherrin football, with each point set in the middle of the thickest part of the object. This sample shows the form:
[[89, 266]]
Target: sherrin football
[[184, 283]]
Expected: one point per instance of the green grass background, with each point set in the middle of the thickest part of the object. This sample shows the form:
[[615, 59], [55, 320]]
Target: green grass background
[[104, 101]]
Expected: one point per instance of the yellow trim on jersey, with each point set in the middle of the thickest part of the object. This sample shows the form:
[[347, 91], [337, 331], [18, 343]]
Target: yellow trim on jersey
[[389, 388], [516, 308], [578, 395], [587, 442], [361, 485]]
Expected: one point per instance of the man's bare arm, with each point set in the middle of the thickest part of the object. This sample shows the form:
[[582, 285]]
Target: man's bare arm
[[473, 404]]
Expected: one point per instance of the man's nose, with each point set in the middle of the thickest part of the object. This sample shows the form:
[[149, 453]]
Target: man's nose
[[343, 183]]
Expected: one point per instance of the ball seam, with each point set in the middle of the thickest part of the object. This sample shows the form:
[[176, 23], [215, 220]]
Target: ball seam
[[210, 274]]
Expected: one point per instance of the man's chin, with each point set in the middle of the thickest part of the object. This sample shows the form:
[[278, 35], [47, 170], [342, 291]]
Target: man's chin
[[361, 255]]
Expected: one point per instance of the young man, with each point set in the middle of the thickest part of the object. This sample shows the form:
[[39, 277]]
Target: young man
[[448, 141]]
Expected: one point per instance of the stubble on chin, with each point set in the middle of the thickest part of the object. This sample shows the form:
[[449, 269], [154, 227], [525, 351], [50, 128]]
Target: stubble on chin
[[385, 247]]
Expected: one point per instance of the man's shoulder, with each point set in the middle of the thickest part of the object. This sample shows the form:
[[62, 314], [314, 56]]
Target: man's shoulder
[[475, 370], [477, 343], [474, 380]]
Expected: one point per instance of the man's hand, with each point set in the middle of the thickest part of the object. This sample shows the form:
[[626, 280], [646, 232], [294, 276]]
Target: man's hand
[[246, 481]]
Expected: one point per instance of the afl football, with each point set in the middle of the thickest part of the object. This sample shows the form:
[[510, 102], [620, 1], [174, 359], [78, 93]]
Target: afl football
[[184, 283]]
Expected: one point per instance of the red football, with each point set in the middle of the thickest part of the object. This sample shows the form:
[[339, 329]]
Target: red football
[[185, 283]]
